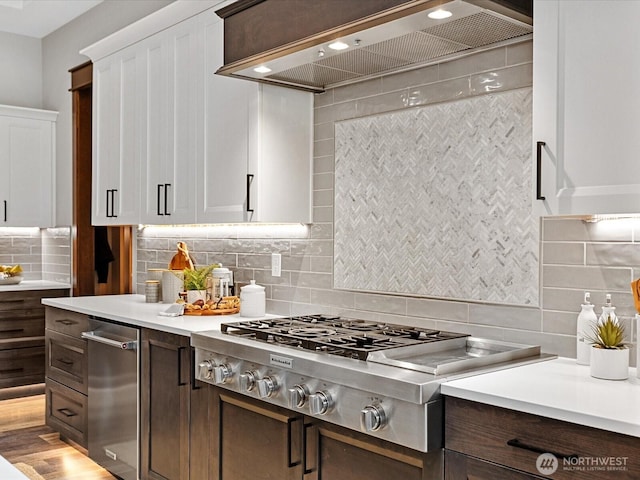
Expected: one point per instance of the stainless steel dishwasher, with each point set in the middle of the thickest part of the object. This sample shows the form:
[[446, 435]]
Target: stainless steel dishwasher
[[113, 427]]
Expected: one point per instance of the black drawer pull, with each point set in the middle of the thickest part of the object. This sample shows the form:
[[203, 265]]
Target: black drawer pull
[[66, 322], [67, 413], [539, 146], [64, 361], [514, 442]]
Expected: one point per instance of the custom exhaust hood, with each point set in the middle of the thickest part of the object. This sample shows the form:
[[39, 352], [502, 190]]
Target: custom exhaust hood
[[401, 38]]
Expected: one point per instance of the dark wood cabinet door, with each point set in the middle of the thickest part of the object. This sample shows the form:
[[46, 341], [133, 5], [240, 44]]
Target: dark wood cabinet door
[[336, 453], [165, 391], [256, 441], [458, 466]]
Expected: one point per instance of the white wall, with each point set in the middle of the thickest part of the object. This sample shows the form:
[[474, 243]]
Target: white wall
[[59, 54], [21, 67]]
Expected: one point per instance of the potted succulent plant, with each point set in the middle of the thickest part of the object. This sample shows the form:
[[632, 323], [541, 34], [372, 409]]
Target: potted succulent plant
[[609, 353], [195, 282]]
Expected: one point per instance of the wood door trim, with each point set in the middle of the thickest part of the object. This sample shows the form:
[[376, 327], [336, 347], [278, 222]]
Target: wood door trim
[[255, 408]]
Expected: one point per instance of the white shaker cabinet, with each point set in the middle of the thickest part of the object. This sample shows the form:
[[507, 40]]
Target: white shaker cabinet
[[585, 110], [118, 137], [27, 167], [258, 148], [173, 119]]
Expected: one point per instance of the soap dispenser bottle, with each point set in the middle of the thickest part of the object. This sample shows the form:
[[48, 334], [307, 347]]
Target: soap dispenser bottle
[[586, 320], [608, 310]]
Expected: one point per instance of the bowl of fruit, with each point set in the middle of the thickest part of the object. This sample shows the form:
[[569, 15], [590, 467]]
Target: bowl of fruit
[[10, 274]]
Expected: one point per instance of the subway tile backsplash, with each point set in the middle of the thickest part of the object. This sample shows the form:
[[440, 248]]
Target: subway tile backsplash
[[575, 255]]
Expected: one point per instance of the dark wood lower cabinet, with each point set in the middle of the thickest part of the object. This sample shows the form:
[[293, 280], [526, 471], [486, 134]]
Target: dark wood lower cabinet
[[253, 440], [165, 406], [463, 467]]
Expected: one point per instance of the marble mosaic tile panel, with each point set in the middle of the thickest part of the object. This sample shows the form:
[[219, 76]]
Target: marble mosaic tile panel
[[436, 201]]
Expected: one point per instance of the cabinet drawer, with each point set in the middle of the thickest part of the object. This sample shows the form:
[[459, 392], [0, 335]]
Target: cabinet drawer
[[64, 321], [516, 440], [458, 466], [20, 328], [66, 360], [66, 412], [28, 298], [21, 366]]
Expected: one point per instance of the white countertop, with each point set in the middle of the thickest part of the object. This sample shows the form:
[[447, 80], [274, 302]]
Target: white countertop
[[558, 389], [132, 310], [33, 285]]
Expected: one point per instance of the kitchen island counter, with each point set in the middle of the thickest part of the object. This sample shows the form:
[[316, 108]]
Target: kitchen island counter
[[558, 389], [27, 285], [133, 310]]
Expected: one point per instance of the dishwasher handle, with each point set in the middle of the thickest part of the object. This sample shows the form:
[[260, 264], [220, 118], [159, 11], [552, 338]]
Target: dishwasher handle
[[95, 337]]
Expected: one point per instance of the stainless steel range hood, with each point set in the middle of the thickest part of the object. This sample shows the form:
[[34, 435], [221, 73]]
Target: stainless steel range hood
[[394, 41]]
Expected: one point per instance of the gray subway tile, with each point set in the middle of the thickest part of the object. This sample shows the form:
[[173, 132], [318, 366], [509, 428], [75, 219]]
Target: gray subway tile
[[324, 164], [323, 181], [321, 264], [380, 104], [559, 322], [323, 131], [297, 263], [312, 247], [506, 316], [290, 294], [322, 214], [354, 91], [323, 99], [563, 253], [439, 92], [323, 198], [561, 345], [276, 307], [254, 261], [520, 53], [411, 78], [573, 229], [500, 80], [311, 280], [494, 58], [334, 298], [613, 254], [440, 309], [322, 148], [586, 277], [321, 231], [381, 303]]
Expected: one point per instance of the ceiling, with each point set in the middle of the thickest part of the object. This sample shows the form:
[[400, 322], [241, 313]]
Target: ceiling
[[38, 18]]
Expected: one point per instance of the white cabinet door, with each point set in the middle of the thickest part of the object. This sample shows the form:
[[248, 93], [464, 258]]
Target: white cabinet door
[[174, 84], [257, 150], [118, 138], [586, 69], [27, 167]]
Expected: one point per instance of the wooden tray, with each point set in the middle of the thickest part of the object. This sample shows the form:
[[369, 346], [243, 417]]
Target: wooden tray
[[209, 312]]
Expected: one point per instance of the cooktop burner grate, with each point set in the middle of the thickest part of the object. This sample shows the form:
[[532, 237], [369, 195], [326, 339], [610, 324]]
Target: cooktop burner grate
[[335, 335]]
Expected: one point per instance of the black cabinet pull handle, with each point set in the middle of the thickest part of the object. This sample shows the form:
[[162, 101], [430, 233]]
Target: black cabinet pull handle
[[160, 187], [108, 191], [5, 210], [113, 203], [316, 451], [249, 180], [67, 413], [64, 361], [14, 330], [539, 146], [9, 371], [166, 195], [514, 442], [291, 421], [180, 382], [193, 370]]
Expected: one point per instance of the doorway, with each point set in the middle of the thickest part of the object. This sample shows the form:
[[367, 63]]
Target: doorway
[[87, 241]]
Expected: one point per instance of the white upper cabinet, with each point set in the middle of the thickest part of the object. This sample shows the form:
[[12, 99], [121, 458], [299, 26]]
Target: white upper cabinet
[[173, 119], [27, 167], [585, 110], [176, 144], [257, 150], [118, 137]]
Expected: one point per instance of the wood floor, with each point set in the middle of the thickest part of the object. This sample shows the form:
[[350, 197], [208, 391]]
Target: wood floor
[[36, 450]]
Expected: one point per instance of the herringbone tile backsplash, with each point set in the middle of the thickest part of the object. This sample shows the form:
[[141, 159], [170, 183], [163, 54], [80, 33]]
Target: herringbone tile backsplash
[[426, 201]]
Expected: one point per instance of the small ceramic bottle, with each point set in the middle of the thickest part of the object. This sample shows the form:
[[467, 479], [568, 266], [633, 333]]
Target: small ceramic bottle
[[252, 300], [586, 320], [608, 310]]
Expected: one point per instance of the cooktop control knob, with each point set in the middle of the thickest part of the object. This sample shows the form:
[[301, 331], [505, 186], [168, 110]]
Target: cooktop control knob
[[298, 396], [372, 418], [205, 370], [267, 386], [221, 373], [320, 403], [247, 381]]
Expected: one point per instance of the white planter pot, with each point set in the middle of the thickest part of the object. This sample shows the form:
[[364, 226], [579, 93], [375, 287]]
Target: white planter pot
[[610, 364], [193, 295]]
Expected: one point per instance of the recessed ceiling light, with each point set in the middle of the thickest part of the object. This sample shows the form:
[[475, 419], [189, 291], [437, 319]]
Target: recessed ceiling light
[[439, 14], [262, 69], [338, 45]]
